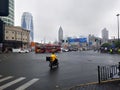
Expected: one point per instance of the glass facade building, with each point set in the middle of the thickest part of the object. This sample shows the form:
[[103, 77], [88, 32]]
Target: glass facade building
[[9, 20], [27, 23]]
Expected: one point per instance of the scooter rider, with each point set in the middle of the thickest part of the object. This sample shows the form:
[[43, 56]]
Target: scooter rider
[[53, 58]]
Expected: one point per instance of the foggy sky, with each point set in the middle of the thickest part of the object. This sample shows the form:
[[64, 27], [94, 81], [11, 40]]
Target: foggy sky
[[76, 17]]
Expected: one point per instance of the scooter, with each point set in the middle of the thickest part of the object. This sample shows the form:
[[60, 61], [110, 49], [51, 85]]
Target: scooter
[[52, 64]]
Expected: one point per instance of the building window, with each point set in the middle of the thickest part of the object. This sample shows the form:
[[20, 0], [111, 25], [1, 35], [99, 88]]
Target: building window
[[6, 31], [6, 37], [18, 33], [12, 37]]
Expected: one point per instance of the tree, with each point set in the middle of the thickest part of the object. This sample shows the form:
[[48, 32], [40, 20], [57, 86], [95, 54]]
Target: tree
[[106, 45], [117, 44]]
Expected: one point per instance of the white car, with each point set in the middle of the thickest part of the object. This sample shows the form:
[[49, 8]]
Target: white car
[[23, 51], [64, 50], [20, 50], [16, 50]]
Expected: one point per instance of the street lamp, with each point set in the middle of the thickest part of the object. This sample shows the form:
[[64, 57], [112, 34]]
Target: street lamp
[[118, 24], [21, 37]]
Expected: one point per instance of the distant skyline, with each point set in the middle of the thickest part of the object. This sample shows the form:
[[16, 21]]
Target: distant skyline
[[105, 35], [60, 35], [77, 17], [27, 23]]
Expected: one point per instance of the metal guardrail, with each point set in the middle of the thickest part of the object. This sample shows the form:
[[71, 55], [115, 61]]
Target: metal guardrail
[[108, 72]]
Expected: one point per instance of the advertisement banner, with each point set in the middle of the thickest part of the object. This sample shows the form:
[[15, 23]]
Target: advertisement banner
[[80, 40]]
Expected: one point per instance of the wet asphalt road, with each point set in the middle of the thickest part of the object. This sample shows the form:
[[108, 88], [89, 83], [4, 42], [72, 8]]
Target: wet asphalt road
[[74, 68]]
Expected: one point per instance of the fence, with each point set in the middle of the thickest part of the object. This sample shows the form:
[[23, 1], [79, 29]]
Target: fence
[[108, 72], [105, 73]]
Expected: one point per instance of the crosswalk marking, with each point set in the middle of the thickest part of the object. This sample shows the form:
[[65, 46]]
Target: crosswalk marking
[[6, 78], [11, 83], [26, 85], [22, 87]]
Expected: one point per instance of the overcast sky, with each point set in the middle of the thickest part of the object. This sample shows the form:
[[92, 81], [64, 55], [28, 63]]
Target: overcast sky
[[76, 17]]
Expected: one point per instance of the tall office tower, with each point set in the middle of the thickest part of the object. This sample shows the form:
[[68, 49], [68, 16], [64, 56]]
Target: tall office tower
[[27, 23], [9, 20], [105, 35], [60, 35]]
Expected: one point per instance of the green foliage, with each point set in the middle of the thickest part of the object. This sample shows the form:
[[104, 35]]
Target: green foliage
[[117, 44], [105, 45]]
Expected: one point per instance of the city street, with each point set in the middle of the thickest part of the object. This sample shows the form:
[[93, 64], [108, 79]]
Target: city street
[[30, 71]]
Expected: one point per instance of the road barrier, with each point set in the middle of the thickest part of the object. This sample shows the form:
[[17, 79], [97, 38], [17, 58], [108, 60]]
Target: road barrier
[[108, 72]]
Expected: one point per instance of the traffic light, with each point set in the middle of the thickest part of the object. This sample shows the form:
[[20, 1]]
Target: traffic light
[[4, 7]]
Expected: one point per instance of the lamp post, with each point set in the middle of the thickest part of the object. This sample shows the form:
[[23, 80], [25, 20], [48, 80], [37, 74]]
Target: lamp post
[[21, 38], [118, 24]]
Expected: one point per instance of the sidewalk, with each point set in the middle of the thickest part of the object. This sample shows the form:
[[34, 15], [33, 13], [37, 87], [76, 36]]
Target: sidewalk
[[109, 85]]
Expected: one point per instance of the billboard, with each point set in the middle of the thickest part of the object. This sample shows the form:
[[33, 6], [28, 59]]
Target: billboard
[[83, 40], [80, 40]]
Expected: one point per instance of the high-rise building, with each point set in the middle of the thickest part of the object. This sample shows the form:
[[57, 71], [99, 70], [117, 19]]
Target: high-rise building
[[60, 34], [27, 23], [105, 35], [9, 20]]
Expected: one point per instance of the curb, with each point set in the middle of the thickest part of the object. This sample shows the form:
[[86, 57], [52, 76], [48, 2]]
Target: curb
[[93, 83]]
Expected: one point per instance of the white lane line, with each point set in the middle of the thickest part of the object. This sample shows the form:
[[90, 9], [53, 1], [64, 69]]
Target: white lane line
[[11, 83], [6, 78], [26, 85]]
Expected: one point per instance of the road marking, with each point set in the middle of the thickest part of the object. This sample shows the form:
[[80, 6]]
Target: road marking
[[11, 83], [26, 85], [6, 78]]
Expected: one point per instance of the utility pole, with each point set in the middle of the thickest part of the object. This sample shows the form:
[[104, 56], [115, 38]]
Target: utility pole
[[118, 24]]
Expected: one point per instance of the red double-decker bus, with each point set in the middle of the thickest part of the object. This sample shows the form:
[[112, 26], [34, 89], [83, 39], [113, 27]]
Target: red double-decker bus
[[52, 48], [47, 48]]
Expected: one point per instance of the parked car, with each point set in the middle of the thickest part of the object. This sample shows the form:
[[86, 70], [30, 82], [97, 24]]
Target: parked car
[[15, 50], [24, 51], [18, 50], [64, 50]]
